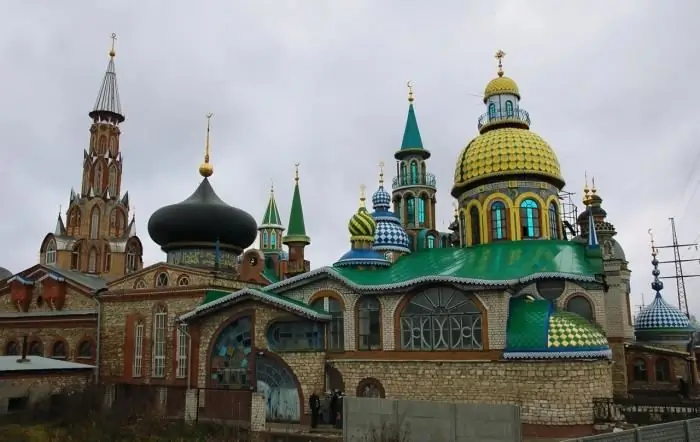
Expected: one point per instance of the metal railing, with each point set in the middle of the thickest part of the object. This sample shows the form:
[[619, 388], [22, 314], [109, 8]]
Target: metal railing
[[519, 115], [421, 179]]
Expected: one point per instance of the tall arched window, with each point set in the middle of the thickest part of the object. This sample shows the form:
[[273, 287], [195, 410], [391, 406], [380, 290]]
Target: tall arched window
[[398, 208], [113, 145], [403, 178], [420, 202], [107, 259], [498, 221], [475, 225], [97, 182], [639, 370], [553, 222], [369, 324], [462, 229], [414, 172], [410, 211], [509, 108], [529, 219], [430, 242], [581, 306], [335, 338], [94, 223], [75, 258], [50, 253], [92, 261], [86, 179], [441, 318], [265, 240], [160, 319], [663, 370], [492, 110], [131, 263], [113, 181], [273, 240], [229, 356], [137, 364]]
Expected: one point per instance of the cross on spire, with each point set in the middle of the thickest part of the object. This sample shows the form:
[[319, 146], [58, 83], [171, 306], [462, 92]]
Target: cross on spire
[[500, 55]]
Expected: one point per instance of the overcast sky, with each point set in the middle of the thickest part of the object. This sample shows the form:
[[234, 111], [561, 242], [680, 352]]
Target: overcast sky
[[323, 83]]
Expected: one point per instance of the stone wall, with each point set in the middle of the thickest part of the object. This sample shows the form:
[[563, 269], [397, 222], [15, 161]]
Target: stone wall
[[549, 393], [49, 336], [40, 387], [75, 300]]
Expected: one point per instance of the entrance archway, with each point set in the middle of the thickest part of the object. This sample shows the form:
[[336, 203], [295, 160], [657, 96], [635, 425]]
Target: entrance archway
[[275, 380]]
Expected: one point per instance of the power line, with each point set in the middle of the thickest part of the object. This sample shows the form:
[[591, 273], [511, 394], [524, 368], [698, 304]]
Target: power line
[[678, 262]]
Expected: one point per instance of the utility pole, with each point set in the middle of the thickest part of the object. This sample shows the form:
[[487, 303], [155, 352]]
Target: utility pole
[[678, 262]]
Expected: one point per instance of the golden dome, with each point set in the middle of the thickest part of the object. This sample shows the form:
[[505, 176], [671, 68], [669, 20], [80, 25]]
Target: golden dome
[[506, 151], [501, 85]]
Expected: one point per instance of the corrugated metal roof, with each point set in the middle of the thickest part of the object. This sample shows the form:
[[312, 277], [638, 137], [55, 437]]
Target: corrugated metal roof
[[32, 363]]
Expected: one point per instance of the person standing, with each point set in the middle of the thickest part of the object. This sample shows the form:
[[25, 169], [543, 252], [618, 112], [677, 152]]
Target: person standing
[[333, 407], [315, 406]]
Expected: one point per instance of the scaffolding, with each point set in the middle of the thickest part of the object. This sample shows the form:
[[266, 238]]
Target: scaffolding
[[569, 214]]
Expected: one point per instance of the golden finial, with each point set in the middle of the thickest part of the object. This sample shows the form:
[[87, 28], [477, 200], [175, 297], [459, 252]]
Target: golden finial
[[499, 56], [114, 40], [409, 84], [381, 173], [272, 187], [586, 190], [362, 195], [206, 169], [296, 172], [593, 188], [654, 250]]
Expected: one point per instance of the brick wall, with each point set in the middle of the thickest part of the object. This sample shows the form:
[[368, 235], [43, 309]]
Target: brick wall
[[40, 387]]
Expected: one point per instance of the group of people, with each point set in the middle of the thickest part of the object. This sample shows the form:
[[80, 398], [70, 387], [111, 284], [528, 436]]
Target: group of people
[[335, 409]]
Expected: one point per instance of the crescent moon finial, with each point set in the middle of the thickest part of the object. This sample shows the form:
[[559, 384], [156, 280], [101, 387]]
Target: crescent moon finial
[[409, 85]]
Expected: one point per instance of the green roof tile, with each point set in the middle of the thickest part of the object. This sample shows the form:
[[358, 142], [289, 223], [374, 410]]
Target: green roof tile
[[296, 232], [411, 134], [272, 215]]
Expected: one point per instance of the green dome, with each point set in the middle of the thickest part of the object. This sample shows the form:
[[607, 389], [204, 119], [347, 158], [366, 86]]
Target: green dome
[[362, 225], [537, 330]]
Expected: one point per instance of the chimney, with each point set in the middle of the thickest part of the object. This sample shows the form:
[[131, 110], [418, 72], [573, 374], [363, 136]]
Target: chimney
[[24, 351]]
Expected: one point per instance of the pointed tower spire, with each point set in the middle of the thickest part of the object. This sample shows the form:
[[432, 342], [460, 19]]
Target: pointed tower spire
[[60, 229], [296, 232], [108, 106], [412, 143], [271, 228]]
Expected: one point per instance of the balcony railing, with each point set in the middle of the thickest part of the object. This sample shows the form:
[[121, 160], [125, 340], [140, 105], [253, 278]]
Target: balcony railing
[[519, 115], [422, 179]]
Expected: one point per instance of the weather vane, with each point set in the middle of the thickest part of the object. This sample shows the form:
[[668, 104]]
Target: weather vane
[[499, 56]]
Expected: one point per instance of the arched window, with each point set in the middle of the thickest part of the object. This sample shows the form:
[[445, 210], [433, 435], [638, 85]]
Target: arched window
[[113, 145], [295, 336], [107, 259], [414, 172], [50, 253], [370, 387], [403, 178], [509, 108], [113, 181], [581, 306], [411, 211], [85, 350], [498, 219], [131, 259], [75, 258], [639, 370], [36, 349], [398, 208], [553, 222], [369, 323], [663, 370], [183, 280], [59, 350], [273, 240], [430, 242], [420, 202], [92, 261], [162, 279], [229, 356], [492, 110], [529, 219], [335, 338], [475, 225], [94, 223], [97, 178], [140, 284], [265, 240], [441, 318], [160, 318], [462, 229], [137, 364], [86, 178], [12, 349]]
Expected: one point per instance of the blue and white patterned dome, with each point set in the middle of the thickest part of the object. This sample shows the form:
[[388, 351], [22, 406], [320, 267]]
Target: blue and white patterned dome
[[390, 235], [659, 315]]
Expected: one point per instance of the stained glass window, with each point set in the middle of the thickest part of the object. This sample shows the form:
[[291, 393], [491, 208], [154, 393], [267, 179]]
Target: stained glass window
[[509, 108], [411, 211], [335, 338], [404, 174], [265, 242], [553, 224], [498, 221], [492, 110], [441, 318], [475, 225], [369, 323], [273, 240], [529, 219], [229, 360], [430, 242], [420, 202], [414, 172], [295, 335]]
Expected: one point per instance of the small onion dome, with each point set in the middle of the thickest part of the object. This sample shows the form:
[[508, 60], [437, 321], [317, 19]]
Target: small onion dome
[[362, 225], [362, 257], [381, 199], [659, 315], [506, 152], [202, 218], [501, 85]]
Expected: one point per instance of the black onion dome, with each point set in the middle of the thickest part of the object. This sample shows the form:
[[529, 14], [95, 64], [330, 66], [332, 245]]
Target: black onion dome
[[202, 218]]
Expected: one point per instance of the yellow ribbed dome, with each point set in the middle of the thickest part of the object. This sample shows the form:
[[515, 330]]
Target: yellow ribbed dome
[[501, 85], [362, 224], [506, 151]]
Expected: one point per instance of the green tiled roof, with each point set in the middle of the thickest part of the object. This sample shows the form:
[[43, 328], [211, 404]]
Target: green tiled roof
[[296, 232], [494, 264], [272, 215], [536, 330], [411, 134]]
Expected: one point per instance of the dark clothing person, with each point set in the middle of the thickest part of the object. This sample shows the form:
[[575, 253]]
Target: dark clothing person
[[315, 406], [333, 407], [339, 412], [683, 387]]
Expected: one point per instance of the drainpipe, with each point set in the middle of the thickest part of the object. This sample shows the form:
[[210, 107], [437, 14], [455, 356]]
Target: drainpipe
[[99, 332]]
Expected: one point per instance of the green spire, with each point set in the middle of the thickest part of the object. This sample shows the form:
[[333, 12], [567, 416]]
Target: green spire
[[412, 141], [272, 215], [296, 232]]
